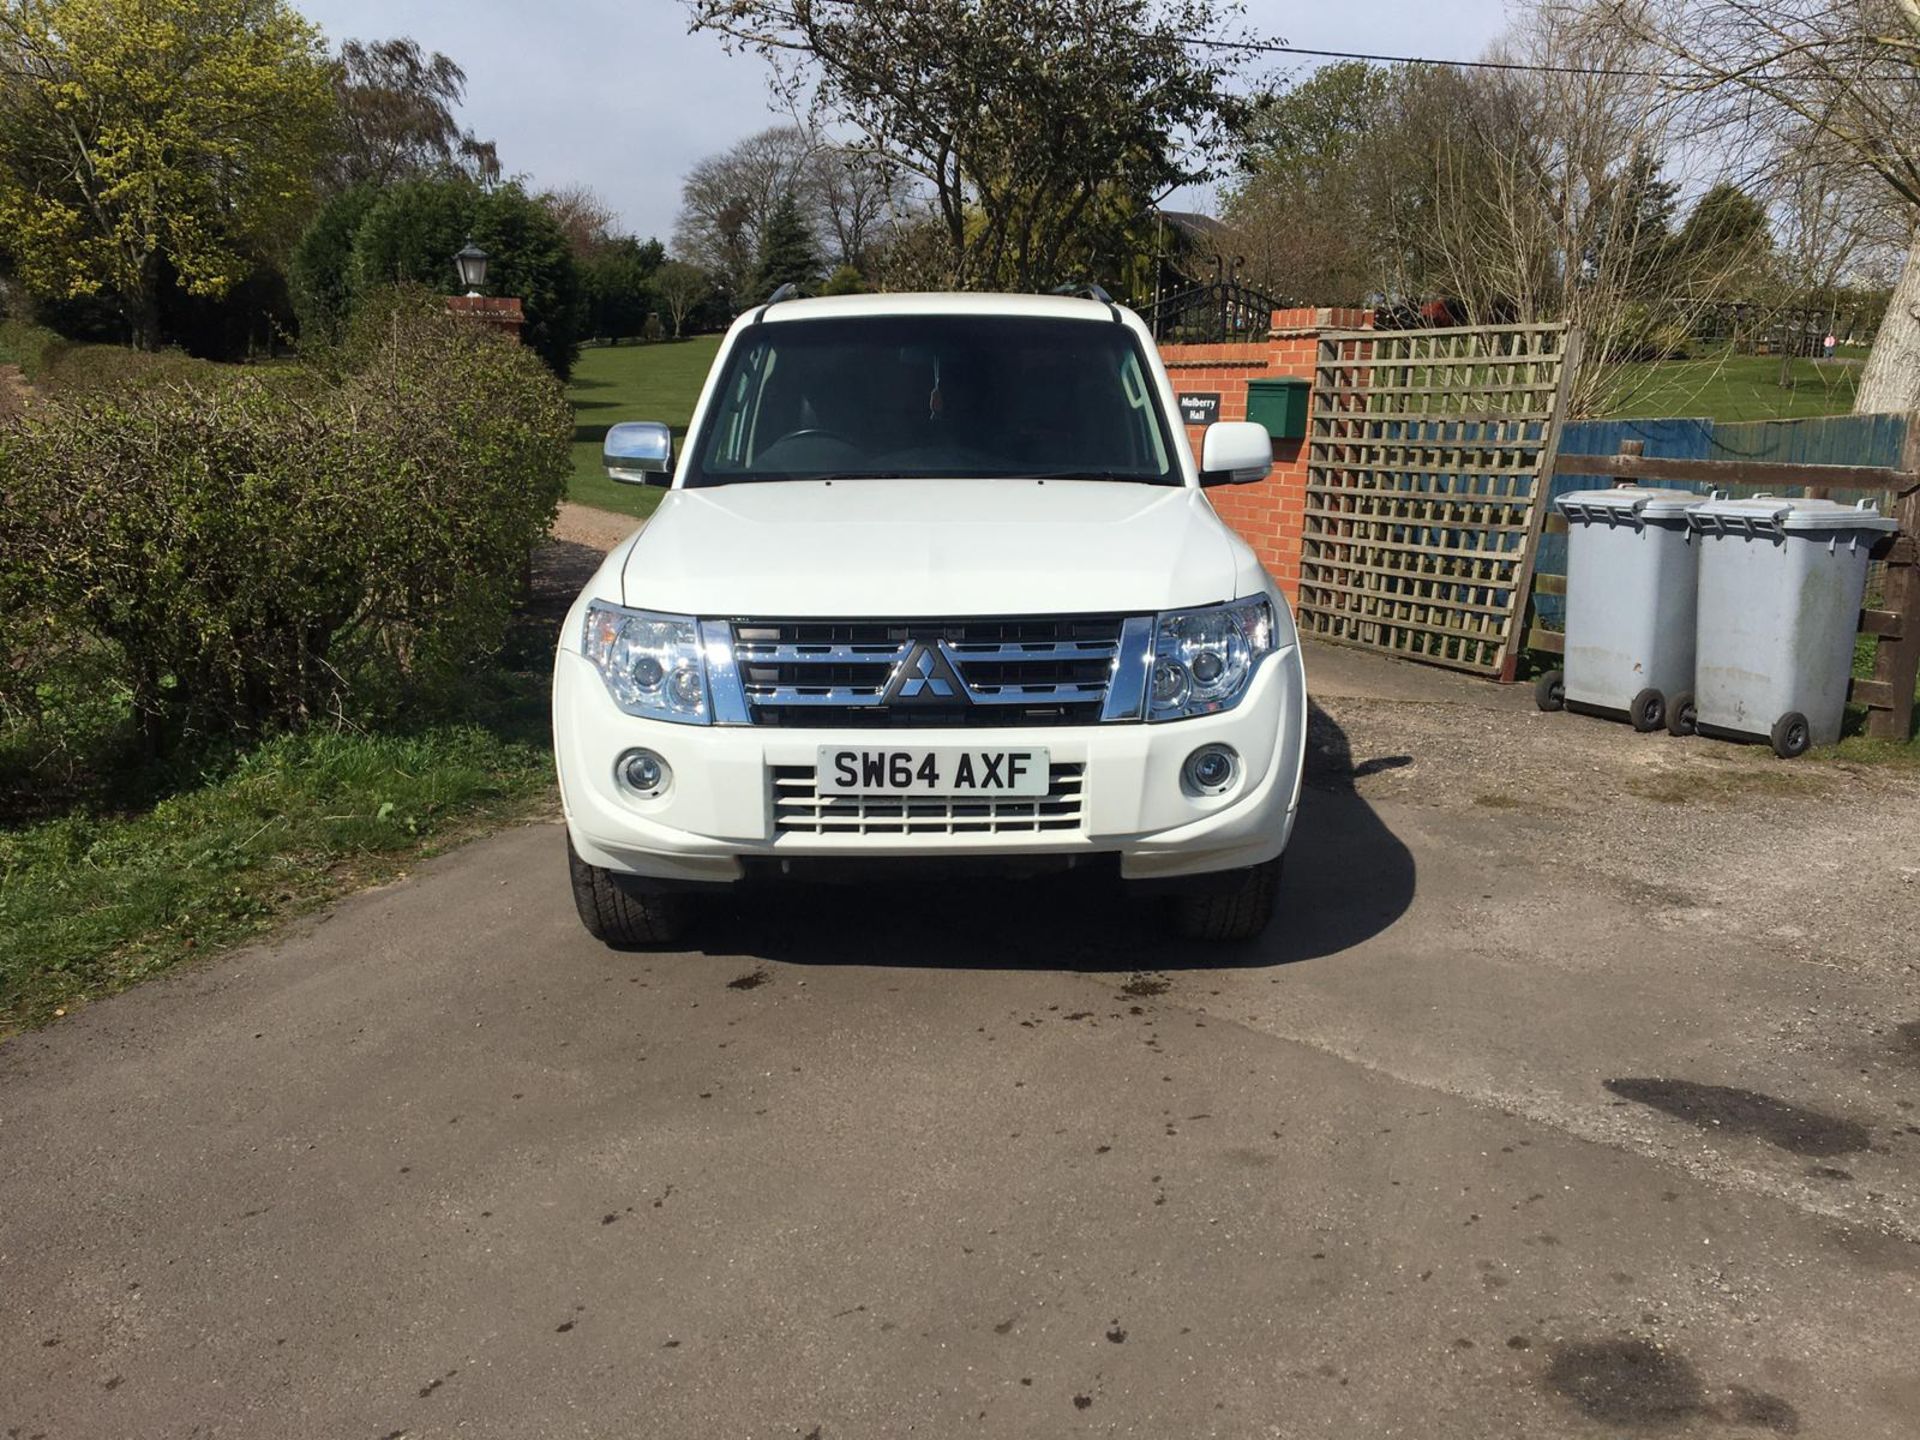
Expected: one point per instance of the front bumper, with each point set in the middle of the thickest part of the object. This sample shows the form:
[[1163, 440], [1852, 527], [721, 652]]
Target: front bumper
[[721, 809]]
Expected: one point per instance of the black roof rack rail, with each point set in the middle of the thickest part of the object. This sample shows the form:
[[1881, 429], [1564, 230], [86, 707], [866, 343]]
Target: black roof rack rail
[[788, 291]]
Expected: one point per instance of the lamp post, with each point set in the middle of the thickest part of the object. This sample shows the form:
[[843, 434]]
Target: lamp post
[[471, 262], [503, 315]]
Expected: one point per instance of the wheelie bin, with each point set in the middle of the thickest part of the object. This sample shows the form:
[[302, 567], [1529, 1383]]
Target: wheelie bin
[[1781, 583], [1631, 586]]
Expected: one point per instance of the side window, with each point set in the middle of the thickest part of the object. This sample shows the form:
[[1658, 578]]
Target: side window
[[732, 429], [1148, 441]]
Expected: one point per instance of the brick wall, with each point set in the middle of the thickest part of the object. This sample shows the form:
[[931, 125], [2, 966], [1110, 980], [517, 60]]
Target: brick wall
[[503, 314], [1267, 515]]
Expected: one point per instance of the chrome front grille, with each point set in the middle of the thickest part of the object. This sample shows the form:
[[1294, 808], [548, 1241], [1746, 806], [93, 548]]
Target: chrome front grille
[[1057, 670], [799, 809]]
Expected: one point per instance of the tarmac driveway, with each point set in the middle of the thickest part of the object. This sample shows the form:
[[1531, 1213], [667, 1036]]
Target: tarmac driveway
[[1574, 1095]]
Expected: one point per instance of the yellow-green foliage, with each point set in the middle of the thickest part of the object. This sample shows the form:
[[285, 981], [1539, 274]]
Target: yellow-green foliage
[[133, 131]]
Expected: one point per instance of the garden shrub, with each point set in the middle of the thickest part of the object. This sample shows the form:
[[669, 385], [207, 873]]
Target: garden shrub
[[76, 369], [243, 554], [29, 346], [53, 364]]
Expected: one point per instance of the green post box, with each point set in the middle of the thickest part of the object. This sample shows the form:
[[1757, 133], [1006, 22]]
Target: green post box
[[1280, 405]]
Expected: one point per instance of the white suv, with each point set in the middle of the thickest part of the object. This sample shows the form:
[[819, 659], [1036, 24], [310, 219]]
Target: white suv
[[936, 582]]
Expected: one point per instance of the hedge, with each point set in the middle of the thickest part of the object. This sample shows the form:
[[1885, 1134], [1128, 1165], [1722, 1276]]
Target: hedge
[[245, 554]]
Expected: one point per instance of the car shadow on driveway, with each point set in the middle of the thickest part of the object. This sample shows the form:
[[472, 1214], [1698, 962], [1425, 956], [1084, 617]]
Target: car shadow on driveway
[[1348, 879]]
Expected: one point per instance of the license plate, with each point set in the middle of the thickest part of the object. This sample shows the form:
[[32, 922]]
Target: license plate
[[942, 770]]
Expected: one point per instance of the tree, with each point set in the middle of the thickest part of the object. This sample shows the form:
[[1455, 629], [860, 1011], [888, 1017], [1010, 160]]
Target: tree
[[319, 274], [396, 121], [618, 281], [1300, 207], [411, 231], [583, 217], [845, 280], [1018, 114], [1846, 72], [1724, 221], [681, 288], [729, 200], [1633, 217], [788, 254], [857, 197], [138, 138]]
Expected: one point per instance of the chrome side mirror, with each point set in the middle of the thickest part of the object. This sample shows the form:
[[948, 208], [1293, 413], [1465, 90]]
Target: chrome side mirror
[[638, 452]]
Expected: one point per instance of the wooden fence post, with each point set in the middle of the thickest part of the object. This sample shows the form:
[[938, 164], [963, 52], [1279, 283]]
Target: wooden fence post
[[1896, 661]]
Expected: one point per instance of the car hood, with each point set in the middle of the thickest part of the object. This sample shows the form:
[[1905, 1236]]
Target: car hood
[[929, 547]]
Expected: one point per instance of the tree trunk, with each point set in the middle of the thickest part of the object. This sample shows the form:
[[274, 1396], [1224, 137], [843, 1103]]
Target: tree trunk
[[143, 309], [1890, 382]]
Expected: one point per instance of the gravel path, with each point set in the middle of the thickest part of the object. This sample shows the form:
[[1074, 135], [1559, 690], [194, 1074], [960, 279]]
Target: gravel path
[[584, 525]]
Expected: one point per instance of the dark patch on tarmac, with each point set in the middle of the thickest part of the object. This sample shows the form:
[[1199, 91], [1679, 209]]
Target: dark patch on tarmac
[[752, 980], [1793, 1128], [1639, 1385], [1143, 985]]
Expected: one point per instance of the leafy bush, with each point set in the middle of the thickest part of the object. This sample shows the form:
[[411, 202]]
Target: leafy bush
[[241, 554], [618, 285], [410, 232], [56, 364], [318, 272], [29, 346], [1640, 332]]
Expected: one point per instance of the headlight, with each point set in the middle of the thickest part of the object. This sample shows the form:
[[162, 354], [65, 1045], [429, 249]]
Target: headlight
[[652, 664], [1203, 659]]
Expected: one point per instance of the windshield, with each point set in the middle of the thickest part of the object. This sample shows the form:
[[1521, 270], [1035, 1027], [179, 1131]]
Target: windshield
[[934, 397]]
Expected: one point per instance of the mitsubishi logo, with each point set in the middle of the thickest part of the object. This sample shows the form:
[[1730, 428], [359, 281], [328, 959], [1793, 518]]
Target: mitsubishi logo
[[926, 677]]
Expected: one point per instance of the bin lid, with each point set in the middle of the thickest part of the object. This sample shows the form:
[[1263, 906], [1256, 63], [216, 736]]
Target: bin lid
[[1645, 500], [1795, 515]]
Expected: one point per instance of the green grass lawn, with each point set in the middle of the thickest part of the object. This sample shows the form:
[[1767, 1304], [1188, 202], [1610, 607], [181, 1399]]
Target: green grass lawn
[[1737, 387], [631, 382]]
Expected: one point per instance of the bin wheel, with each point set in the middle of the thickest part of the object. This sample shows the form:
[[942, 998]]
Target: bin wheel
[[1791, 735], [1550, 690], [1683, 717], [1648, 710]]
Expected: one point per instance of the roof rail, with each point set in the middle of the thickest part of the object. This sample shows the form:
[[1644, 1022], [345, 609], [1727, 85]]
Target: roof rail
[[1086, 288], [788, 291]]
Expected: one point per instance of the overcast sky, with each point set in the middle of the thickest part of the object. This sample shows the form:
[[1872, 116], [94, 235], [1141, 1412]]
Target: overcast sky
[[616, 94]]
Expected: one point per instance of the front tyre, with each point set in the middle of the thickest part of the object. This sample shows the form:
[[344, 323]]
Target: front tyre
[[618, 912], [1239, 913]]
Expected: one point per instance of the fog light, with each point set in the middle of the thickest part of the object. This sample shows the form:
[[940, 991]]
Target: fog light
[[1211, 770], [643, 772]]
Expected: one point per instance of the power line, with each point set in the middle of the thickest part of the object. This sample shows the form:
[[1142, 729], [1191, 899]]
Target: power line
[[1275, 48]]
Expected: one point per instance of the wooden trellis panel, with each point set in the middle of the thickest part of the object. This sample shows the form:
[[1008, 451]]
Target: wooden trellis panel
[[1425, 488]]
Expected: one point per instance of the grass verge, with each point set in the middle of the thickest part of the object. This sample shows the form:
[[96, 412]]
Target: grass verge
[[90, 903], [1737, 387], [631, 382], [111, 871]]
